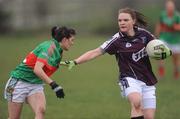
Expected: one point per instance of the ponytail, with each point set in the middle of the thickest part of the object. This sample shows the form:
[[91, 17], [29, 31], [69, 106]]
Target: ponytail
[[140, 19], [53, 31]]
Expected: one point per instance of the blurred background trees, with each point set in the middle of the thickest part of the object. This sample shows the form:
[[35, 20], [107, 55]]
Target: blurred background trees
[[87, 16]]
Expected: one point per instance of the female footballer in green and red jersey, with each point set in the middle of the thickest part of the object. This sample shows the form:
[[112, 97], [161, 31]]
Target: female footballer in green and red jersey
[[26, 80], [168, 30]]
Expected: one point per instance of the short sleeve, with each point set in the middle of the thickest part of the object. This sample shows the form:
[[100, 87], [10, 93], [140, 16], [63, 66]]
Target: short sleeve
[[149, 36], [109, 46], [161, 17], [178, 18], [42, 52]]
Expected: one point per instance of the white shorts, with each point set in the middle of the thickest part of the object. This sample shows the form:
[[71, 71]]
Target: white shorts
[[17, 90], [130, 85]]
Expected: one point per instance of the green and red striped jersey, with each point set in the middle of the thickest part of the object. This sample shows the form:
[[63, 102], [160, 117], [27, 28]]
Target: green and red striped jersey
[[48, 52], [168, 33]]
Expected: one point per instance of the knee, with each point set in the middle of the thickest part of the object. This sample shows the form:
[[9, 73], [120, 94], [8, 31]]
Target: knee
[[149, 116], [136, 105], [135, 100], [41, 110]]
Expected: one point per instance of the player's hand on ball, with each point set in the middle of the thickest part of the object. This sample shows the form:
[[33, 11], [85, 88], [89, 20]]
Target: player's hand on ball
[[69, 64], [57, 89], [162, 53], [157, 49]]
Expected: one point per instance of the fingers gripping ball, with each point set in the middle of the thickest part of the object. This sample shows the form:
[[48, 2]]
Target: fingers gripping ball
[[157, 49]]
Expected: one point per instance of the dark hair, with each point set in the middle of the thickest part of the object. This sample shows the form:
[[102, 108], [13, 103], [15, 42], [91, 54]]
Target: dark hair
[[137, 16], [58, 33]]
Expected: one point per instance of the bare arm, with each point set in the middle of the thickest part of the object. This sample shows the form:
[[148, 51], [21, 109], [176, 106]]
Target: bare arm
[[157, 29], [89, 55], [38, 70], [176, 27]]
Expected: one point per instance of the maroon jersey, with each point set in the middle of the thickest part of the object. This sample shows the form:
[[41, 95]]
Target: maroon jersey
[[131, 55]]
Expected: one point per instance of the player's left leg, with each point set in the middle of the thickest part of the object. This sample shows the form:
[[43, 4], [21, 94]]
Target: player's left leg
[[37, 102], [149, 113], [149, 102], [175, 58]]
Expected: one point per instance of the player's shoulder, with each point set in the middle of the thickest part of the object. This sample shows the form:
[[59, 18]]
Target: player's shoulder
[[44, 45], [111, 40], [143, 30], [177, 14], [145, 33], [115, 37], [163, 13], [47, 43]]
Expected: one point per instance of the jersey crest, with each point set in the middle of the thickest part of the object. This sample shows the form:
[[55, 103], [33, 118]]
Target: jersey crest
[[128, 45]]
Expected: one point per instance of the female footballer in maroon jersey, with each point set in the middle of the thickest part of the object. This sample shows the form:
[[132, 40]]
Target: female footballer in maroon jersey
[[136, 77]]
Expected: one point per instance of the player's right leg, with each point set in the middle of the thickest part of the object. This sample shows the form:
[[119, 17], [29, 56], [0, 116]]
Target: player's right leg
[[135, 100], [132, 90], [15, 97], [161, 69], [175, 58], [14, 110]]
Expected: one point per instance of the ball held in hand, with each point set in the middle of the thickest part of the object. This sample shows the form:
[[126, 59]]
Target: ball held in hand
[[158, 50]]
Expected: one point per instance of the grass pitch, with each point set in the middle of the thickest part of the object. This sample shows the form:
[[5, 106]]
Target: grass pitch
[[91, 89]]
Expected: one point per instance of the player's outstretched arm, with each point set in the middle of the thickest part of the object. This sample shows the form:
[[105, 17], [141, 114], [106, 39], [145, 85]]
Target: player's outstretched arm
[[89, 55]]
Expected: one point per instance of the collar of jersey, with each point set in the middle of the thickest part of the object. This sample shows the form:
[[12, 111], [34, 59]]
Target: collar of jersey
[[129, 38], [57, 45]]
